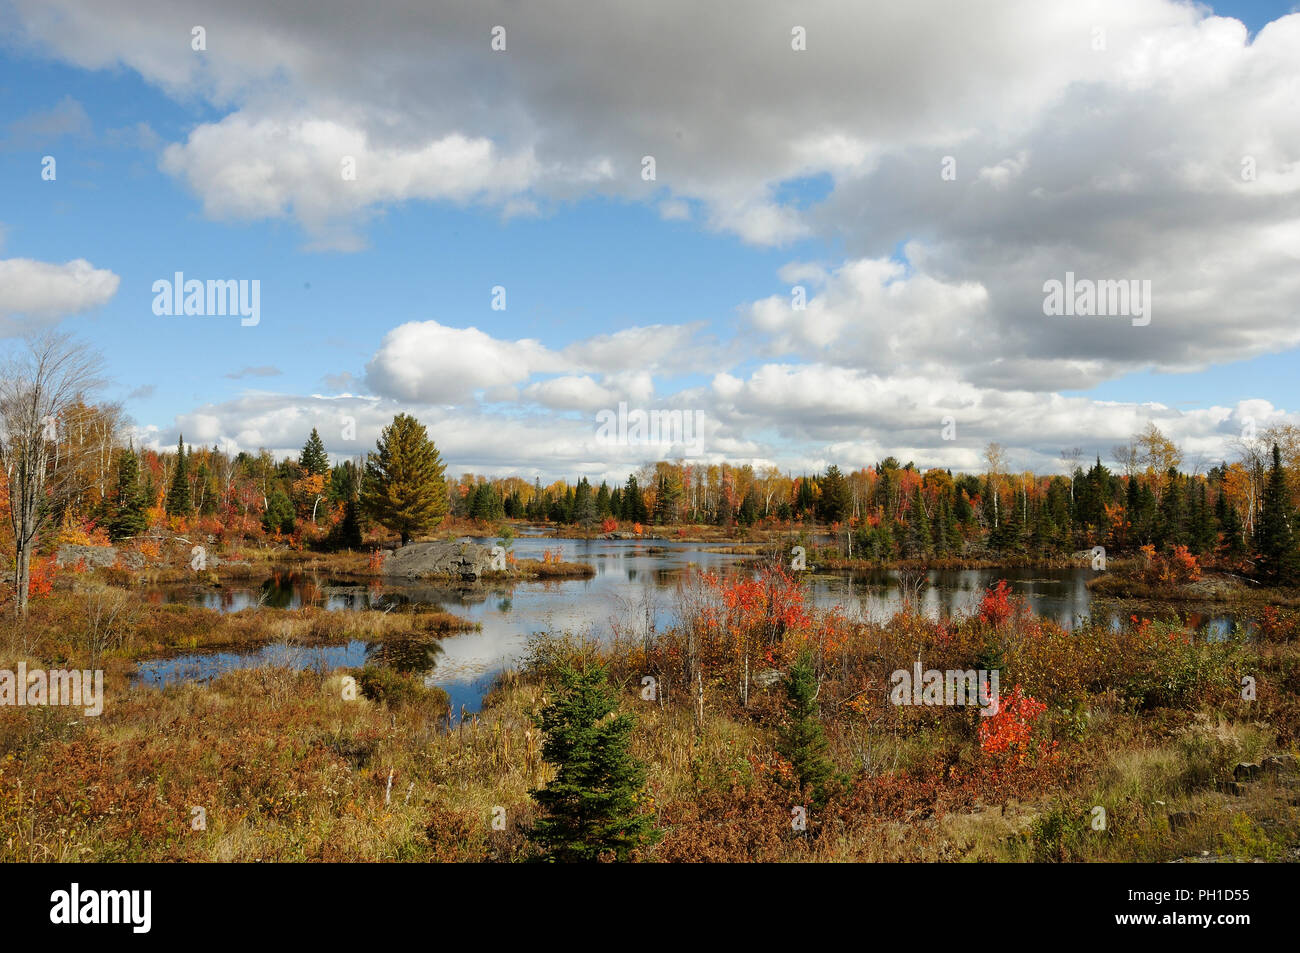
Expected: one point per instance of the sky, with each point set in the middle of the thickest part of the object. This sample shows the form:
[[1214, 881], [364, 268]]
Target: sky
[[840, 251]]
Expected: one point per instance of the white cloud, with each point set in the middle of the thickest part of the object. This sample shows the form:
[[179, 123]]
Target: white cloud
[[1120, 163], [36, 293], [431, 363]]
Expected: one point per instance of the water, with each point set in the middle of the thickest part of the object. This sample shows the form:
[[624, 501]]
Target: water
[[633, 589]]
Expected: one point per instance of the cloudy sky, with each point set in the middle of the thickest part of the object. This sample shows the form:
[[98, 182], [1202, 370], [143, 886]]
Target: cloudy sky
[[829, 252]]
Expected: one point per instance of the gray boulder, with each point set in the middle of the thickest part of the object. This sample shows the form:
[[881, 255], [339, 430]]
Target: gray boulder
[[460, 560], [95, 556]]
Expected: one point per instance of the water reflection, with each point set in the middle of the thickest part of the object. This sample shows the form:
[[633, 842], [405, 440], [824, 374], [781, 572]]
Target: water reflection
[[634, 589]]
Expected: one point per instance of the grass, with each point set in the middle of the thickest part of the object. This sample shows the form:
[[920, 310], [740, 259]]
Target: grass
[[1146, 722]]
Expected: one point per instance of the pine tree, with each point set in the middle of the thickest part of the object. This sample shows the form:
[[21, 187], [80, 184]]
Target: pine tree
[[634, 508], [918, 527], [348, 534], [584, 505], [805, 501], [313, 459], [279, 516], [667, 499], [404, 488], [837, 496], [802, 740], [591, 809], [178, 494], [1275, 548], [1172, 515], [748, 512], [128, 517], [1233, 547]]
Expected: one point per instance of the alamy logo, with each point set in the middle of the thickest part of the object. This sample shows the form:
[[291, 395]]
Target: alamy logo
[[134, 907], [1107, 298], [84, 689], [659, 428], [213, 297], [973, 687]]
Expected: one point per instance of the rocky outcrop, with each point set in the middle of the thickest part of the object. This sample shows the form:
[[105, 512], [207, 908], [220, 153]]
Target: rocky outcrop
[[462, 560], [94, 556]]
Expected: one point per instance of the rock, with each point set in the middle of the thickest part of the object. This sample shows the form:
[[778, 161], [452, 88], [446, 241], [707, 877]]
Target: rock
[[95, 556], [767, 677], [1247, 771], [460, 560]]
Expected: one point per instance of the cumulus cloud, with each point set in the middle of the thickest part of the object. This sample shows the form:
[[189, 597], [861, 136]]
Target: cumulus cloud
[[1166, 153], [34, 294], [431, 363], [323, 171]]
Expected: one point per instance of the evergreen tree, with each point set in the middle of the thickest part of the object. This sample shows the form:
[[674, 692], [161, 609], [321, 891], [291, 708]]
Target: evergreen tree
[[634, 508], [837, 495], [918, 527], [128, 517], [477, 503], [667, 499], [805, 502], [964, 512], [1233, 547], [747, 515], [802, 740], [590, 810], [537, 508], [1172, 515], [279, 516], [1203, 532], [404, 488], [313, 459], [178, 494], [1275, 548], [348, 532], [584, 505]]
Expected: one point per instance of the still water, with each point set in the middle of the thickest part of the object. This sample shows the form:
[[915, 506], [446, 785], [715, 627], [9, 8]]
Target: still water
[[633, 591]]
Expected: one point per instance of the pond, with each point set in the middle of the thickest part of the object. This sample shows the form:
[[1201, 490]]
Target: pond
[[633, 589]]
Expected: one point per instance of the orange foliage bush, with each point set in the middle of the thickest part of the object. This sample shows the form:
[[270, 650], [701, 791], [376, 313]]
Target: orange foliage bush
[[1010, 734], [41, 580], [996, 607], [1175, 568]]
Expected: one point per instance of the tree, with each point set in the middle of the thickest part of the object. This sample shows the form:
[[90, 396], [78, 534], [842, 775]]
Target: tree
[[590, 809], [128, 518], [919, 532], [802, 740], [313, 459], [634, 508], [404, 488], [1274, 541], [1158, 453], [279, 515], [837, 496], [996, 458], [38, 388], [583, 511], [178, 494], [668, 498], [345, 480]]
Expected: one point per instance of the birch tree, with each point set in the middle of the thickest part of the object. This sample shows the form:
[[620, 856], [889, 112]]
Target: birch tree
[[39, 385]]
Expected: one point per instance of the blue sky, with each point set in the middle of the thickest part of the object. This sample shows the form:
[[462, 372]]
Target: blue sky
[[699, 251]]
